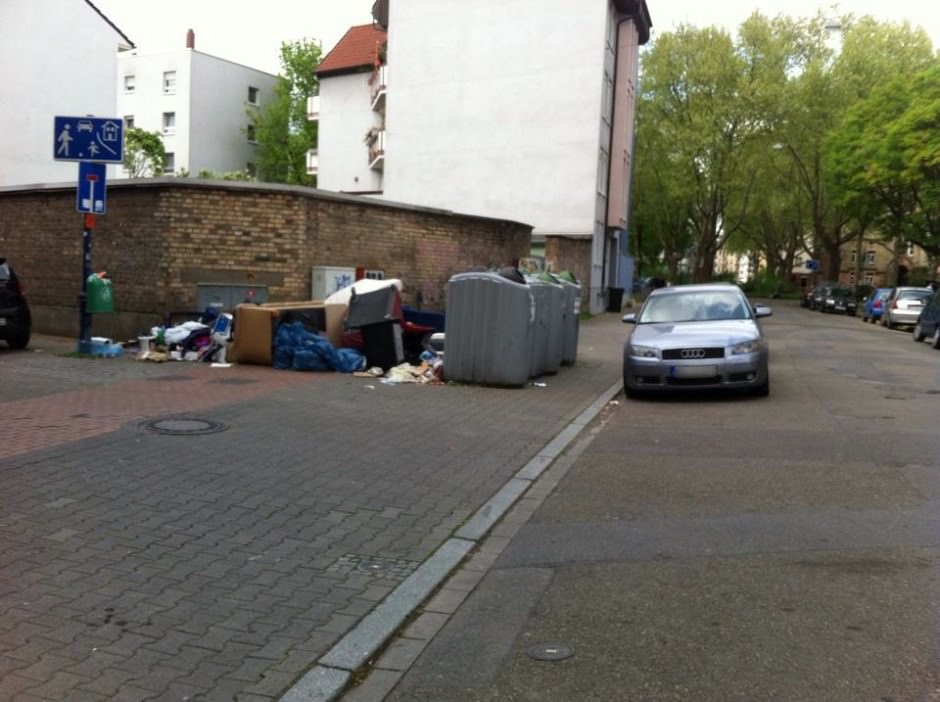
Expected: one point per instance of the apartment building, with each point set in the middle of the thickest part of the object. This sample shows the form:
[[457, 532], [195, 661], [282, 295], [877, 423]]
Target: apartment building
[[59, 57], [518, 110], [199, 104]]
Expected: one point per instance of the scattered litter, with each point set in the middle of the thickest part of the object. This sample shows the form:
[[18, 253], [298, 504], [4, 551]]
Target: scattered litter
[[540, 385]]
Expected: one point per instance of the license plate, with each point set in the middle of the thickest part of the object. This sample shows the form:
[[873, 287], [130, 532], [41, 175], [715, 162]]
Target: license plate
[[693, 371]]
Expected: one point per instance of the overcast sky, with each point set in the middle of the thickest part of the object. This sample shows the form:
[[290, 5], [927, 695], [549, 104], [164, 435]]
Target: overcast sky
[[251, 32]]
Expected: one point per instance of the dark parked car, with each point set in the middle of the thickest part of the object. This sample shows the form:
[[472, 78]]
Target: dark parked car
[[874, 304], [840, 300], [817, 297], [15, 319], [928, 324]]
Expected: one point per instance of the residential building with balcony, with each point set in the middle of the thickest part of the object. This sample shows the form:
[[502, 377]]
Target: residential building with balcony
[[522, 111], [199, 104], [351, 112], [59, 59]]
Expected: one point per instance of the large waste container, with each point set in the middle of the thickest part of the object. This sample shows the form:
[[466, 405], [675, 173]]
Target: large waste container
[[488, 329], [571, 317], [547, 339]]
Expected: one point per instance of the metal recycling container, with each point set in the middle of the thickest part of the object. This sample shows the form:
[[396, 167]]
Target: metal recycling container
[[488, 329], [571, 317], [547, 340]]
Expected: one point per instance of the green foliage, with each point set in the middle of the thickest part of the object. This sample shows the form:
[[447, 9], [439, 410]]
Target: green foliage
[[144, 153], [768, 285], [737, 145], [281, 128], [242, 175]]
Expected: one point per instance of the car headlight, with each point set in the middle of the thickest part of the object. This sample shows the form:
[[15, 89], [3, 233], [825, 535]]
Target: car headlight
[[643, 351], [752, 346]]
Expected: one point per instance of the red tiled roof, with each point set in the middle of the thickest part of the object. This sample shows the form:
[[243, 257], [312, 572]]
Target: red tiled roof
[[356, 51]]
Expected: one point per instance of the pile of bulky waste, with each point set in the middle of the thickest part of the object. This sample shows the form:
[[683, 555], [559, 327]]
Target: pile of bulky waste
[[361, 329]]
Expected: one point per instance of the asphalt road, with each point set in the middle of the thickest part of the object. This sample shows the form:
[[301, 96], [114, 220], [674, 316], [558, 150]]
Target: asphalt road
[[715, 548]]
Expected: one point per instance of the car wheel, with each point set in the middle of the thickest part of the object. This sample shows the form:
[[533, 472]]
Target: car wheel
[[918, 333], [19, 341], [762, 390], [631, 393], [936, 338]]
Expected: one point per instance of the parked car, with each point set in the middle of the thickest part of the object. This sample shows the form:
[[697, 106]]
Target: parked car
[[840, 300], [903, 306], [817, 297], [15, 318], [874, 304], [928, 324], [696, 337]]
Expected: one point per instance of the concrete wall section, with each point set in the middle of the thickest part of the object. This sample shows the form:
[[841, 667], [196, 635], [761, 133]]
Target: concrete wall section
[[58, 59], [345, 117], [492, 106], [162, 237]]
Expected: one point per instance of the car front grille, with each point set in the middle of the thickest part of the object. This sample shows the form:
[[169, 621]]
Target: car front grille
[[683, 354]]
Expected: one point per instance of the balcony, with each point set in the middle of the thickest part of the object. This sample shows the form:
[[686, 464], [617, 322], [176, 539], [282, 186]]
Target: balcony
[[378, 82], [377, 150], [313, 162], [313, 108]]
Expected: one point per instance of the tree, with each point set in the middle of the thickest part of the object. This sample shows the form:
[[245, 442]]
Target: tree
[[144, 153], [281, 128]]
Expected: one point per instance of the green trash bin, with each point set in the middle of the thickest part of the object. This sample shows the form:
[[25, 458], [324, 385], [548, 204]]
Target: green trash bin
[[99, 296]]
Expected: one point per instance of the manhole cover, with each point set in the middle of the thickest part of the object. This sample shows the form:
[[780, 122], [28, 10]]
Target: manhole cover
[[184, 426], [233, 381], [390, 568], [551, 652]]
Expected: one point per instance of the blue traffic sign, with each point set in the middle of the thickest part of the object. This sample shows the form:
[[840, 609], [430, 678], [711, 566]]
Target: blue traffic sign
[[91, 188], [812, 265], [96, 139]]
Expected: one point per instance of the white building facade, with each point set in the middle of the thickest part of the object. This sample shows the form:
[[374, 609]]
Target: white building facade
[[200, 104], [518, 110], [58, 58]]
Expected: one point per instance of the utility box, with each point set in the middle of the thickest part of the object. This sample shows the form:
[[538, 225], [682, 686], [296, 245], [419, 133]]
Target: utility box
[[326, 280], [99, 296]]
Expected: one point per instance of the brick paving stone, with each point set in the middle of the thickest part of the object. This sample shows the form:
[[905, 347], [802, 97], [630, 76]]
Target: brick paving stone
[[139, 552]]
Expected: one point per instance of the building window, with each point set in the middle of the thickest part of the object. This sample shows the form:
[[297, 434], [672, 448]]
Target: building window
[[869, 258], [910, 249], [251, 133], [854, 257], [169, 122], [169, 165], [869, 279], [169, 82], [128, 121], [129, 83], [252, 95]]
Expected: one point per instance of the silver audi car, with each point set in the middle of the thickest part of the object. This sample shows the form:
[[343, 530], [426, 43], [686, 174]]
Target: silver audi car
[[696, 337]]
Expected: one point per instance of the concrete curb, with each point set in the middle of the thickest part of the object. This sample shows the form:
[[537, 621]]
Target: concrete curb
[[326, 681]]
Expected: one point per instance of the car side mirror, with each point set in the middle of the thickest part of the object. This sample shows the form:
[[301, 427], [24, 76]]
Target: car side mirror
[[762, 311], [629, 318]]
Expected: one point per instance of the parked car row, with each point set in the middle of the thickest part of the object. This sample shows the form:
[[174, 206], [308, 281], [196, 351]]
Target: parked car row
[[903, 306]]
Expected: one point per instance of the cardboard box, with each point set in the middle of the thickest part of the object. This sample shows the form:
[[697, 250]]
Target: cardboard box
[[253, 335]]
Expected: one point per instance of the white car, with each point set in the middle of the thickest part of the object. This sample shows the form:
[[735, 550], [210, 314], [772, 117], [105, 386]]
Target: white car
[[696, 337]]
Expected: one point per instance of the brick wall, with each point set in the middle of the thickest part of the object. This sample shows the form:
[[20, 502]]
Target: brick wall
[[573, 255], [160, 237]]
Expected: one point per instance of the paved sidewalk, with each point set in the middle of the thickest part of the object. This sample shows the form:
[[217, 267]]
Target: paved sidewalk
[[269, 557]]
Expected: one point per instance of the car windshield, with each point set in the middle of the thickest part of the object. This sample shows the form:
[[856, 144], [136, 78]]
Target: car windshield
[[693, 307], [914, 295]]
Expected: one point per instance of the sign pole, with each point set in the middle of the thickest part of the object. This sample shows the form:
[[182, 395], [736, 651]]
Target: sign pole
[[84, 318]]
